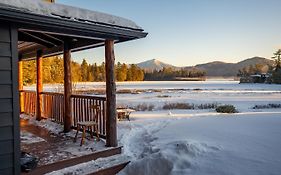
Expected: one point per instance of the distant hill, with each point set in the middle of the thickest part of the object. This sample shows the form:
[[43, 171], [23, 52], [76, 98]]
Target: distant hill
[[216, 68], [253, 61], [154, 64]]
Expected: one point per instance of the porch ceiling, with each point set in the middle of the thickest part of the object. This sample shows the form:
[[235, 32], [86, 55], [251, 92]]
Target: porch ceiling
[[51, 44]]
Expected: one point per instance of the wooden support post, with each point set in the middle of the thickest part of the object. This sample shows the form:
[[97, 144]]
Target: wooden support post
[[39, 85], [67, 86], [21, 97], [111, 131]]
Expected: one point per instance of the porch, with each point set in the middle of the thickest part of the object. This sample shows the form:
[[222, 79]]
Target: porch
[[56, 150], [58, 147], [33, 30]]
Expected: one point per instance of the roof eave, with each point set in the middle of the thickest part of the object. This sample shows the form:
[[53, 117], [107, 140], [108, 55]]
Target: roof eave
[[30, 21]]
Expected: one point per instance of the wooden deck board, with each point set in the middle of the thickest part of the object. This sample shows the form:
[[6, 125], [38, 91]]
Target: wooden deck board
[[74, 161]]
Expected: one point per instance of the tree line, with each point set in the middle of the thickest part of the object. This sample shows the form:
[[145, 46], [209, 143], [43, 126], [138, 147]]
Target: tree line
[[171, 74], [255, 69], [53, 71]]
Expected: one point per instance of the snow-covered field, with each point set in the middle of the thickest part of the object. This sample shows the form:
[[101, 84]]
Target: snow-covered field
[[200, 141], [203, 141], [242, 96]]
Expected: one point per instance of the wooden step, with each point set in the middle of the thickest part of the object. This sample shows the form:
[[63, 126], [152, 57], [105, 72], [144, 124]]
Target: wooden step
[[110, 170], [74, 161]]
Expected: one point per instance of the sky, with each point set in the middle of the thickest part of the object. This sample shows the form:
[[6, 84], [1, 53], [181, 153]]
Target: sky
[[190, 32]]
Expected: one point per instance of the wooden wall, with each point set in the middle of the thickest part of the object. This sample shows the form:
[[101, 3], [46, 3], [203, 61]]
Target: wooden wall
[[9, 102]]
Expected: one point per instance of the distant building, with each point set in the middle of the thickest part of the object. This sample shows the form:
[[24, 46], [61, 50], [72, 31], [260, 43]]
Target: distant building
[[257, 78]]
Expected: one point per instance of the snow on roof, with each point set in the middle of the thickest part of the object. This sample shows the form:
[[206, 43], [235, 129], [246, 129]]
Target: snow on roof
[[67, 12]]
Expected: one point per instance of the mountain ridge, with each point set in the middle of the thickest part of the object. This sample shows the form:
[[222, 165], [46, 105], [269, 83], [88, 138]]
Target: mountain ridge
[[214, 68]]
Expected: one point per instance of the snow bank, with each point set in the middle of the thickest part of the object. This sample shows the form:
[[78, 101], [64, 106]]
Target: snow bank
[[137, 136], [174, 157]]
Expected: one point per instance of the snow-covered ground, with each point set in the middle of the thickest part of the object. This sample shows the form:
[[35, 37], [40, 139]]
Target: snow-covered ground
[[66, 147], [199, 141], [202, 143], [28, 138]]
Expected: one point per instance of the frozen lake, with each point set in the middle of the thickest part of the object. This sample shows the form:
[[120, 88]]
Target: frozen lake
[[186, 85], [158, 93], [243, 96]]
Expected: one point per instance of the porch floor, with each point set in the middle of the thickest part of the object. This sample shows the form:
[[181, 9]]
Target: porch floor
[[52, 147]]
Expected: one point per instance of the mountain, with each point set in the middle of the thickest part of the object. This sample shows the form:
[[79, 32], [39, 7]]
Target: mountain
[[216, 68], [154, 64], [253, 61]]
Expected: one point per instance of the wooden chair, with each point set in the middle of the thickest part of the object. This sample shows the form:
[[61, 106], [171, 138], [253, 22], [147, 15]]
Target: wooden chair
[[89, 124]]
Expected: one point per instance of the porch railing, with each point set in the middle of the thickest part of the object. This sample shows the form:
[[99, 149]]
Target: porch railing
[[89, 108], [84, 108], [52, 106], [29, 101]]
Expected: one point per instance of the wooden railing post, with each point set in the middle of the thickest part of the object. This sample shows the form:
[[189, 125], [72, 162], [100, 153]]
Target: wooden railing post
[[67, 86], [21, 97], [39, 85], [111, 131]]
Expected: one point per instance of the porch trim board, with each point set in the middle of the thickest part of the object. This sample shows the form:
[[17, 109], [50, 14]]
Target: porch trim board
[[75, 161]]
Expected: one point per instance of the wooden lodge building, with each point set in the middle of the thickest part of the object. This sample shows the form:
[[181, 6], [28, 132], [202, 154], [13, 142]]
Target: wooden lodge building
[[35, 29]]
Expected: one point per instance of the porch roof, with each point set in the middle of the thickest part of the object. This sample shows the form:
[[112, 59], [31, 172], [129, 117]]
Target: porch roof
[[46, 26]]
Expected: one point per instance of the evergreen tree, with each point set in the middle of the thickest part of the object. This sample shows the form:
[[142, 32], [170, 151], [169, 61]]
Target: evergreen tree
[[117, 71], [84, 71], [129, 75], [47, 70], [91, 73], [95, 72], [101, 75], [277, 59], [29, 72], [276, 75], [75, 72], [123, 72], [57, 71]]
